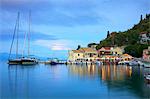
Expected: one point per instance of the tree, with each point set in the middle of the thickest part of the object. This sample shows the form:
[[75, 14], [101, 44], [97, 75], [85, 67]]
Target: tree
[[79, 46], [90, 44], [108, 34], [141, 17], [135, 50]]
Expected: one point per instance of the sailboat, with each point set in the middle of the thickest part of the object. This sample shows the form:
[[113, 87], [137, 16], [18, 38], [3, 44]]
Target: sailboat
[[17, 60], [28, 60], [24, 60]]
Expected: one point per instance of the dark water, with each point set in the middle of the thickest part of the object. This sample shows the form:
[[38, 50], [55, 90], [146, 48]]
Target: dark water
[[73, 82]]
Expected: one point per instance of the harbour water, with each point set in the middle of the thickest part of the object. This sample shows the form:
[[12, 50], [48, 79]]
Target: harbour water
[[73, 82]]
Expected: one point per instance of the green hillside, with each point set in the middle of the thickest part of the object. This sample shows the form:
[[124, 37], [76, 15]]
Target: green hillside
[[130, 38]]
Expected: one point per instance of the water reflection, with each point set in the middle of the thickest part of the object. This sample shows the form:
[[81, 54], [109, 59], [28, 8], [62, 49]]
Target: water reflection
[[115, 72], [117, 78], [83, 70], [23, 81], [19, 78], [109, 72]]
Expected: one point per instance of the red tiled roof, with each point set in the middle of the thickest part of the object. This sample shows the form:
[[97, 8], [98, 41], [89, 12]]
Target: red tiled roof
[[107, 48]]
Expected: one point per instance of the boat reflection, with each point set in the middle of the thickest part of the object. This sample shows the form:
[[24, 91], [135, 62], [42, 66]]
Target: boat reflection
[[19, 79]]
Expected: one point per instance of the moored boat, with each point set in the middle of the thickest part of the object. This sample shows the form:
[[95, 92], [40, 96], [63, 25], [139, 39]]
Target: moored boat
[[29, 61], [54, 61], [23, 60], [14, 61]]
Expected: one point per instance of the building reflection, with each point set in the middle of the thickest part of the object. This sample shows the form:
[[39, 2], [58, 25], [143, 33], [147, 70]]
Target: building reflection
[[109, 72], [115, 77], [113, 72], [83, 70]]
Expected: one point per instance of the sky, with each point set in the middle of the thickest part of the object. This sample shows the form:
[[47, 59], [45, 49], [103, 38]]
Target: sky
[[61, 25]]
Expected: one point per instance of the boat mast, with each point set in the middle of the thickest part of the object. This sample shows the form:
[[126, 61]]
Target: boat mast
[[29, 34], [24, 45], [14, 37], [17, 36]]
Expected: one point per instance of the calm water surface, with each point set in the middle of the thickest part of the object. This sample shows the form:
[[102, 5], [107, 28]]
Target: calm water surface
[[68, 82]]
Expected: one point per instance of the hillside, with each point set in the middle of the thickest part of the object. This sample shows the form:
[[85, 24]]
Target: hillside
[[130, 38]]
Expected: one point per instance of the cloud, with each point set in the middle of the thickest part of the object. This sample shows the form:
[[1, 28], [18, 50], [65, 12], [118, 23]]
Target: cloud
[[56, 12], [74, 12], [58, 45], [7, 34], [64, 19], [54, 44]]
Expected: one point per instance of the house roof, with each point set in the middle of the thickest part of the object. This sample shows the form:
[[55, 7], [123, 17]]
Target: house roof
[[105, 49], [76, 51], [87, 50], [82, 50]]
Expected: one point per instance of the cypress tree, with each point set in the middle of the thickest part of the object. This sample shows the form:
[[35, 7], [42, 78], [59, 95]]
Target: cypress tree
[[108, 34], [141, 18]]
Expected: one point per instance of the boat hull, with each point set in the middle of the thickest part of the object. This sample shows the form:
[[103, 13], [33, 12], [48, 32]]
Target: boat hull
[[22, 61], [14, 62], [28, 62], [53, 63]]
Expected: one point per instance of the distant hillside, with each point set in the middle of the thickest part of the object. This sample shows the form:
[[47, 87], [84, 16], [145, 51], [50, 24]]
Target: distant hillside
[[130, 38]]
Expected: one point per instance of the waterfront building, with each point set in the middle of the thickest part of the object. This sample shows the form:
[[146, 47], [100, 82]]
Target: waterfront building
[[146, 54], [114, 51], [126, 57], [110, 54], [75, 55], [105, 51], [117, 51], [83, 55]]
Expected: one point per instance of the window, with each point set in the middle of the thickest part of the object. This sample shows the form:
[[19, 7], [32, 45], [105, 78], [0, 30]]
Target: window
[[90, 54]]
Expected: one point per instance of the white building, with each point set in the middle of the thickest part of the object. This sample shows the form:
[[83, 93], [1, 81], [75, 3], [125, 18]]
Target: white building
[[145, 38], [83, 55]]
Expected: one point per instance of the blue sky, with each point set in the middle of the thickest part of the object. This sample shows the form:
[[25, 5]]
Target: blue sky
[[60, 25]]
